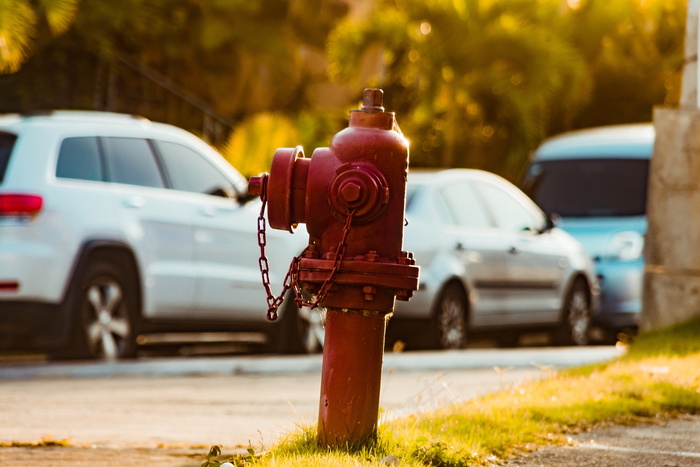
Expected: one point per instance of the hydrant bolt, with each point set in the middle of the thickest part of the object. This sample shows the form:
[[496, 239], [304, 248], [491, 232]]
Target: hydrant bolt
[[351, 192], [404, 295]]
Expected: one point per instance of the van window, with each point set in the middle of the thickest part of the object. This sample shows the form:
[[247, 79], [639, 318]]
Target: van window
[[589, 187]]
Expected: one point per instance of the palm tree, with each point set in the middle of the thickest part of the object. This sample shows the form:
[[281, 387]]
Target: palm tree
[[634, 52], [476, 78], [20, 22]]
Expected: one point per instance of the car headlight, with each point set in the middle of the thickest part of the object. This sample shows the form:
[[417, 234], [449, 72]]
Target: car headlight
[[626, 245]]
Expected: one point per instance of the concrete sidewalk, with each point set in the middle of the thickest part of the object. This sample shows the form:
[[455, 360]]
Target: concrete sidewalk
[[672, 443]]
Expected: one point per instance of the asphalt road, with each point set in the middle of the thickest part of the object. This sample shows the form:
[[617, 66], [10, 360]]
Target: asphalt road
[[238, 400]]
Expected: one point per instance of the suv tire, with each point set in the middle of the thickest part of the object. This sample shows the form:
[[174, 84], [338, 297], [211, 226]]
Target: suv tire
[[104, 308]]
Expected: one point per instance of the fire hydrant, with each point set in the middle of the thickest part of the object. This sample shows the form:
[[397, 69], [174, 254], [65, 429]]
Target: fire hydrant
[[351, 196]]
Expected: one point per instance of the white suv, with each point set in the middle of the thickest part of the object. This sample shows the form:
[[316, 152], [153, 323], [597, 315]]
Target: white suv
[[114, 227]]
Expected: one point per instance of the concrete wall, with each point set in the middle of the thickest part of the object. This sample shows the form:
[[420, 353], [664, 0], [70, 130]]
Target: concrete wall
[[672, 274]]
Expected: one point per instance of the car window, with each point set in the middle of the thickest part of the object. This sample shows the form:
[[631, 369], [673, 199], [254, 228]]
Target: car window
[[508, 212], [589, 187], [459, 203], [189, 171], [80, 158], [131, 160], [7, 142]]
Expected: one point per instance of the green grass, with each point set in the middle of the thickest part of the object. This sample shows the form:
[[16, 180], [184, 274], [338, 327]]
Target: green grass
[[657, 379]]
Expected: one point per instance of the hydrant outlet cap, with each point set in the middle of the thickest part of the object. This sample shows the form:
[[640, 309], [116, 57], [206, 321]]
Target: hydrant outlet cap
[[255, 186]]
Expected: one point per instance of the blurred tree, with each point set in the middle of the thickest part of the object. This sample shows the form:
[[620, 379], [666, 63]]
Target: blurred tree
[[260, 135], [21, 22], [253, 142], [634, 53], [480, 83], [474, 81], [238, 56], [176, 60]]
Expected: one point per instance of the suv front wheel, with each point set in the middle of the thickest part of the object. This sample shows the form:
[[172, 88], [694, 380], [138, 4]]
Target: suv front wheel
[[105, 303]]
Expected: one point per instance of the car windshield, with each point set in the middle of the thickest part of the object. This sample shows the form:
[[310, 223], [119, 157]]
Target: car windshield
[[589, 187], [7, 142]]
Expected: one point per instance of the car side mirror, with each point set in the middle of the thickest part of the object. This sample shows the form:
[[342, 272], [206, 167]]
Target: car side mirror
[[552, 220], [244, 198]]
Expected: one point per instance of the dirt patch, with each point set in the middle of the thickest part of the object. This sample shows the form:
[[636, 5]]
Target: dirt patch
[[100, 456]]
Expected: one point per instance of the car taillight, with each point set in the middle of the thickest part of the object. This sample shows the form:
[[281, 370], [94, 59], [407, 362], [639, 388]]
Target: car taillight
[[9, 286], [20, 205]]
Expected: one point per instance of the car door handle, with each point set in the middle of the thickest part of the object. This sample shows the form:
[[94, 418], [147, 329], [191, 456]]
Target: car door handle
[[134, 202], [208, 211]]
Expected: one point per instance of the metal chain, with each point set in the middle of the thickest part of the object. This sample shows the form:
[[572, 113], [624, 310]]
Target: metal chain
[[291, 279], [328, 283]]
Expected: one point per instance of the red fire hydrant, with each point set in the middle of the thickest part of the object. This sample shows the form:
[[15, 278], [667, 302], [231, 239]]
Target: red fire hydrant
[[351, 196]]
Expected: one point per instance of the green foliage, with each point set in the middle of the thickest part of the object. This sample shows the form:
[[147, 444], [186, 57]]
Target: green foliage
[[481, 83], [214, 451], [20, 21], [477, 82], [675, 341], [253, 143], [473, 83]]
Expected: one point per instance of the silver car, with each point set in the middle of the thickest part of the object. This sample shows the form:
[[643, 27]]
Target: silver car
[[116, 232], [491, 261]]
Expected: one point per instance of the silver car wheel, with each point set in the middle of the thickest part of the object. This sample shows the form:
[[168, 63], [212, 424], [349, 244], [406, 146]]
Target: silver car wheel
[[451, 321], [106, 325], [312, 328], [576, 322], [579, 318]]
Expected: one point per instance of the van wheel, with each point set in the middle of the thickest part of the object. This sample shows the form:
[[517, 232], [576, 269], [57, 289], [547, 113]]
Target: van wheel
[[105, 321], [450, 320], [575, 325]]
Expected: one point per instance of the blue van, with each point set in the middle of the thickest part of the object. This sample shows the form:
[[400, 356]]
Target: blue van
[[595, 181]]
